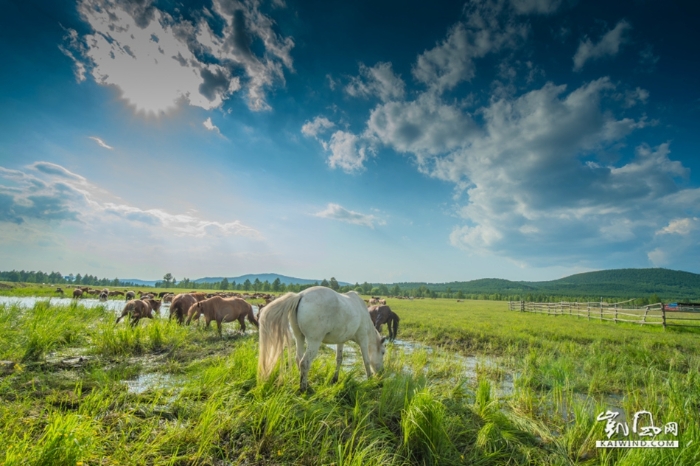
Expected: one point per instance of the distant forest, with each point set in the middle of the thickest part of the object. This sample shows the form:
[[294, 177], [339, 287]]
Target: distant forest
[[645, 285]]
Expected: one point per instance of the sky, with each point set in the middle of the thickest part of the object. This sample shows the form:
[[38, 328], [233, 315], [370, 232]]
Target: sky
[[367, 141]]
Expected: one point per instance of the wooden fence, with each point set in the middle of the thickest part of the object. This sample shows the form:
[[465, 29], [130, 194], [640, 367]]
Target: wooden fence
[[680, 315]]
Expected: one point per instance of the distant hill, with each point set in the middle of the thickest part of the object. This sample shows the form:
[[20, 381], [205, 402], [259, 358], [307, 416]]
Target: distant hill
[[138, 282], [622, 283], [270, 277]]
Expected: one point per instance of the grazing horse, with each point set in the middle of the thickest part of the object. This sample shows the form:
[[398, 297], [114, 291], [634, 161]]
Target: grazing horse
[[130, 295], [317, 315], [139, 309], [59, 290], [77, 293], [182, 303], [104, 296], [384, 315], [222, 310]]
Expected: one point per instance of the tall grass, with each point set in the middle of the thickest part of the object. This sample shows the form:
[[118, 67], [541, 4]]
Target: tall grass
[[424, 409]]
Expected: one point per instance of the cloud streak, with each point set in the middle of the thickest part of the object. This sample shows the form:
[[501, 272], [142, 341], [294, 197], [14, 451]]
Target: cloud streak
[[337, 212], [100, 142], [608, 46], [50, 192]]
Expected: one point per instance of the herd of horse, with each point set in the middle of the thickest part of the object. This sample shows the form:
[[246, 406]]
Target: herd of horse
[[312, 317]]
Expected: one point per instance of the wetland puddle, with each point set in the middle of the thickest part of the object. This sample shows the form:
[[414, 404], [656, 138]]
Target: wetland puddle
[[113, 305], [470, 365]]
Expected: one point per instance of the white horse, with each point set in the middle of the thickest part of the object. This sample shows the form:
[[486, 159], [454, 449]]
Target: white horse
[[317, 315]]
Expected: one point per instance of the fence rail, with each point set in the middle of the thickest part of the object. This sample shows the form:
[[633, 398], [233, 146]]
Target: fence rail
[[675, 315]]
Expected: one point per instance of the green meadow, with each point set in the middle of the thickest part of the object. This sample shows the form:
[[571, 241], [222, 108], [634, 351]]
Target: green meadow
[[468, 383]]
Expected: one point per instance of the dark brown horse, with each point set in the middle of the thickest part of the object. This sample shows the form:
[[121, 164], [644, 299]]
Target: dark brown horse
[[77, 293], [139, 309], [223, 310], [130, 295], [181, 304], [384, 315]]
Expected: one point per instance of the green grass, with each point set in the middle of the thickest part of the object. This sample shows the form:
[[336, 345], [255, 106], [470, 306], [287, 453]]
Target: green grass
[[199, 401]]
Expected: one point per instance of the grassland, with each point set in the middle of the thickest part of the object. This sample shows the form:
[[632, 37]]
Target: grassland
[[76, 389]]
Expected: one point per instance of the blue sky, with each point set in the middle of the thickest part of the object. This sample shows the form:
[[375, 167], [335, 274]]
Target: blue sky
[[369, 141]]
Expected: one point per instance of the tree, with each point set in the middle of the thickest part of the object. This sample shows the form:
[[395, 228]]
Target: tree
[[396, 290], [276, 284], [325, 283], [334, 284], [168, 277], [224, 284], [247, 285], [257, 284], [460, 295], [78, 279], [383, 289]]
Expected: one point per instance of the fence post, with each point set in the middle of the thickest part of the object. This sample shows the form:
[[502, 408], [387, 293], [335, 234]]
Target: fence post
[[601, 308], [589, 310], [663, 315], [522, 306], [646, 311], [615, 312]]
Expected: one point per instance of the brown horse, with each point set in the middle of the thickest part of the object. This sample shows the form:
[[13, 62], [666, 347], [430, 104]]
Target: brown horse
[[223, 310], [59, 290], [384, 315], [181, 304], [77, 293], [130, 295], [139, 309]]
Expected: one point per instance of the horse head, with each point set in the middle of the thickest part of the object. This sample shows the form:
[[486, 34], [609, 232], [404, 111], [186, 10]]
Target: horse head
[[376, 353]]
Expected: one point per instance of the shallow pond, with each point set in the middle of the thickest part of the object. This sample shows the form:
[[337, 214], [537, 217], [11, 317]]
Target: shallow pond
[[469, 364], [28, 302]]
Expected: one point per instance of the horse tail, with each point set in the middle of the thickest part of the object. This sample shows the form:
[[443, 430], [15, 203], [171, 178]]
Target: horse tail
[[251, 316], [274, 332], [395, 325]]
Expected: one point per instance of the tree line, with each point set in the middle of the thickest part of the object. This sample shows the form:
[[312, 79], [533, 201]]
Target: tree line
[[378, 289]]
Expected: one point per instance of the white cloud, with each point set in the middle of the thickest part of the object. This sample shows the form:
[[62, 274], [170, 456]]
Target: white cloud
[[337, 212], [50, 192], [211, 126], [681, 226], [609, 45], [316, 127], [157, 61], [348, 151], [379, 81], [486, 30], [100, 142], [425, 126]]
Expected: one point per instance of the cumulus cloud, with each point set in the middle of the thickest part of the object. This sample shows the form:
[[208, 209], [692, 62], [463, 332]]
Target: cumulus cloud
[[317, 126], [210, 126], [337, 212], [425, 126], [680, 226], [157, 61], [487, 30], [348, 151], [379, 81], [608, 46], [100, 142], [61, 195]]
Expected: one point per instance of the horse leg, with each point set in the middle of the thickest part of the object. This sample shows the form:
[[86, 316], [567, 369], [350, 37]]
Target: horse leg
[[338, 361], [241, 319], [364, 349], [300, 340], [218, 326], [305, 364]]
